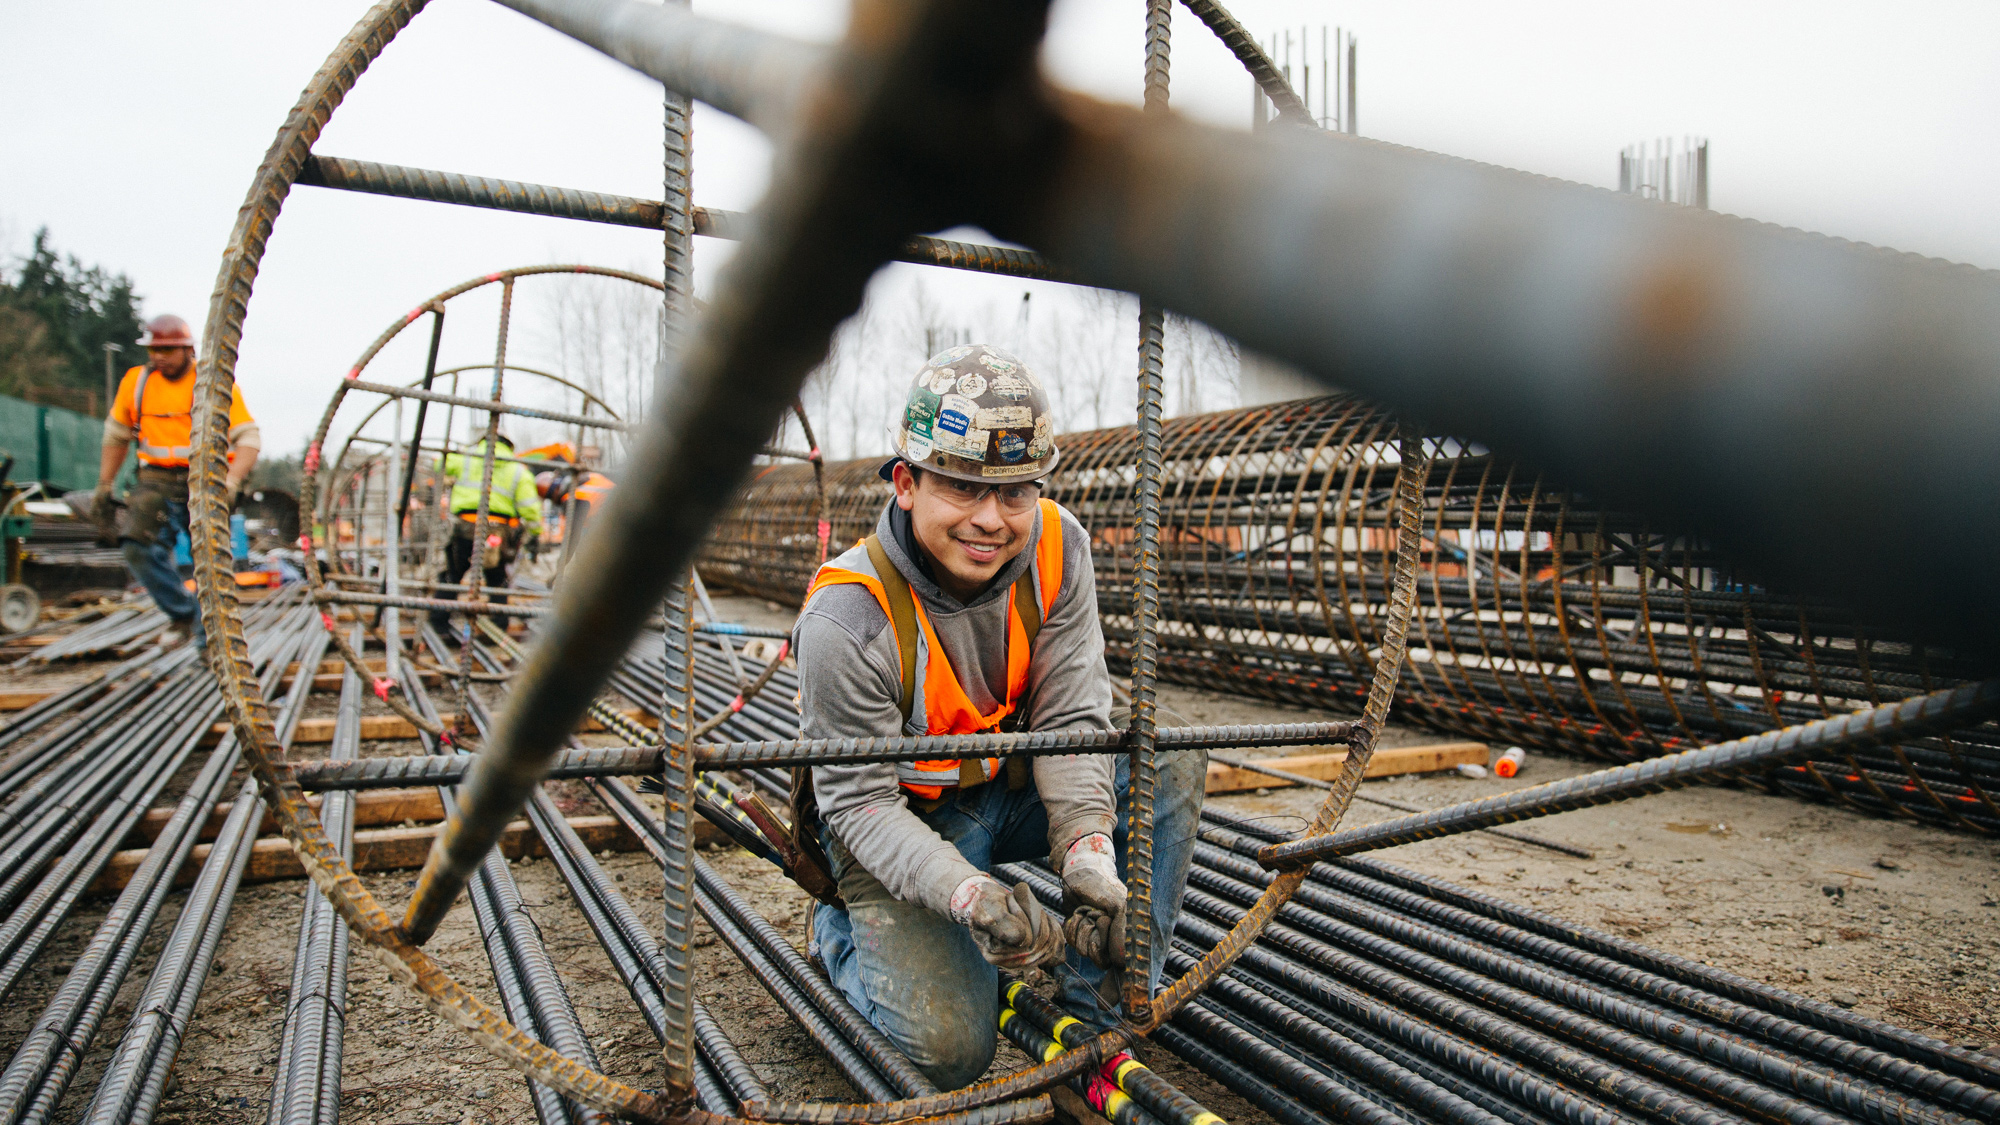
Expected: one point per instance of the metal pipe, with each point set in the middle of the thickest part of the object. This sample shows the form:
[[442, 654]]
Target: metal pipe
[[381, 773], [1942, 710], [1405, 806], [619, 210], [489, 405]]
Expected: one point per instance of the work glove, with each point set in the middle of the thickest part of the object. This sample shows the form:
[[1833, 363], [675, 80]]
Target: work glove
[[103, 514], [1095, 898], [1012, 930], [533, 547]]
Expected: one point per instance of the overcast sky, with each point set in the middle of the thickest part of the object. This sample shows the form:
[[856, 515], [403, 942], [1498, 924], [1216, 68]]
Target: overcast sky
[[131, 131]]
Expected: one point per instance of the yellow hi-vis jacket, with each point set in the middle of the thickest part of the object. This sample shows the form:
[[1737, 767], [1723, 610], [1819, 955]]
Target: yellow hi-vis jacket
[[514, 496]]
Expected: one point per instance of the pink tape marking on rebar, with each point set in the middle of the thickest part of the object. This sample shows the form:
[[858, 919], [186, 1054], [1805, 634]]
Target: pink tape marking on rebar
[[1099, 1093], [382, 686], [312, 455], [326, 619]]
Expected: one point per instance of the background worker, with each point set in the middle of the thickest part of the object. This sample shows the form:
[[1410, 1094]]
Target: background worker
[[587, 487], [155, 404], [513, 517], [972, 608]]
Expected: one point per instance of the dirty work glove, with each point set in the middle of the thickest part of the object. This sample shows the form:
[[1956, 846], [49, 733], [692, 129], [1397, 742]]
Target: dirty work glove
[[101, 514], [1010, 929], [1095, 898]]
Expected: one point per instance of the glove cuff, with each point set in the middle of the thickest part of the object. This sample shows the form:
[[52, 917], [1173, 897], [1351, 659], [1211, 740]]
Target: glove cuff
[[1091, 852], [967, 894]]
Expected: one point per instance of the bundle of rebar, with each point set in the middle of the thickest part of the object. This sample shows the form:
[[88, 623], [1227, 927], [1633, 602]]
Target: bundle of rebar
[[1387, 996], [177, 717], [1544, 619]]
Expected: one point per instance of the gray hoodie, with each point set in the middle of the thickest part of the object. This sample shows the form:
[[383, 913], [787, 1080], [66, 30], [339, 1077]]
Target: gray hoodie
[[850, 683]]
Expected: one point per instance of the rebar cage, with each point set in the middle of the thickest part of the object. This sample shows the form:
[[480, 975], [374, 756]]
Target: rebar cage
[[1482, 325], [1544, 619]]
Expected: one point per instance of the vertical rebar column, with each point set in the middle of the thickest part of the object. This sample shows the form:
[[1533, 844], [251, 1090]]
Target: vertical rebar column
[[475, 571], [392, 549], [677, 726], [1146, 594], [677, 720]]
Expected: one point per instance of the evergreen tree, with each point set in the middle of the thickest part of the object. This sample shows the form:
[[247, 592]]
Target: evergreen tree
[[79, 309]]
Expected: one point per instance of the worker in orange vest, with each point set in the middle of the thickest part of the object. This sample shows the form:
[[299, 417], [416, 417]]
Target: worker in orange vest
[[155, 406], [587, 487], [972, 608]]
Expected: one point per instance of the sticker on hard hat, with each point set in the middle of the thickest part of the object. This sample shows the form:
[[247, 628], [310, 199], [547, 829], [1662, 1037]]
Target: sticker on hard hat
[[970, 445], [916, 448], [955, 414], [949, 356], [941, 381], [922, 410], [995, 363], [1011, 445], [1009, 386], [1008, 470], [1004, 418], [972, 386]]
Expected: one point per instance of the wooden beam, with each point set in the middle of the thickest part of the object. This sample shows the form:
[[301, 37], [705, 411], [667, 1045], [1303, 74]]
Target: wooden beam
[[1387, 762], [388, 727], [372, 809], [22, 700], [392, 849]]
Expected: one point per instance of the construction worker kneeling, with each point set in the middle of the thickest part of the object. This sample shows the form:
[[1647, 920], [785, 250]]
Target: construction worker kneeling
[[972, 608], [513, 518]]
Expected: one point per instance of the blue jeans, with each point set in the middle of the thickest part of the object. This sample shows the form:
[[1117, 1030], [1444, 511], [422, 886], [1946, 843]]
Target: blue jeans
[[152, 563], [917, 976]]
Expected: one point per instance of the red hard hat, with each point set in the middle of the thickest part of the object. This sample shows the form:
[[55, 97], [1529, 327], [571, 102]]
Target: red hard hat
[[167, 331]]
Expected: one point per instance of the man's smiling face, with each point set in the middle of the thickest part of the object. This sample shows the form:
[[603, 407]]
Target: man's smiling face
[[967, 542]]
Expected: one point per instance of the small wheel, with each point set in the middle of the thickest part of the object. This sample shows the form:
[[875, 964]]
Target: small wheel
[[20, 609]]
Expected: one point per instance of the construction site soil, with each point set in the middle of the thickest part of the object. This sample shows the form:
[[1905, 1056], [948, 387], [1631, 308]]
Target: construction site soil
[[1892, 919]]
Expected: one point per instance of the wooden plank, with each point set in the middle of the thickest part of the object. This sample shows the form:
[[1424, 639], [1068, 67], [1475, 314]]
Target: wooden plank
[[392, 849], [372, 808], [22, 700], [1387, 762], [376, 728]]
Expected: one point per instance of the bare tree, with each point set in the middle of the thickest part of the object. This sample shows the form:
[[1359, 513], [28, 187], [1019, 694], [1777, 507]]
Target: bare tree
[[604, 335]]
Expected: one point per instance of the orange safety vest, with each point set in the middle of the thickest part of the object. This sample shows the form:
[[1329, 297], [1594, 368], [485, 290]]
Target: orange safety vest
[[947, 709], [592, 487], [165, 433]]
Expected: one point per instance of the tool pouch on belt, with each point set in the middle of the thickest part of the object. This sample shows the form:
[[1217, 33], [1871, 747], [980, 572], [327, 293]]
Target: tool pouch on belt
[[146, 504], [812, 871]]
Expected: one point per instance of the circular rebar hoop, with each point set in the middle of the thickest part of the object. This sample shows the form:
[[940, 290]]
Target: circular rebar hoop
[[1413, 469], [229, 652], [1012, 1098], [311, 505]]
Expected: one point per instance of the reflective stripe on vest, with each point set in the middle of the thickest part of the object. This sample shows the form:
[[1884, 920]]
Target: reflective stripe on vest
[[165, 455], [592, 488], [947, 708]]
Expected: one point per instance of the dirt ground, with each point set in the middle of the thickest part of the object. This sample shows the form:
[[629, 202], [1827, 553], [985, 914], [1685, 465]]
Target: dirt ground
[[1892, 919]]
